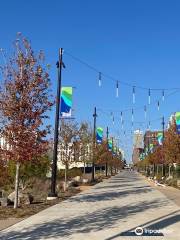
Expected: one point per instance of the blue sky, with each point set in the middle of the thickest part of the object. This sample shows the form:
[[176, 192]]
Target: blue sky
[[134, 41]]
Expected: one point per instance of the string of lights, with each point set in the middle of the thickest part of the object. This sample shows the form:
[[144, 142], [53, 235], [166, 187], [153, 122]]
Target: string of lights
[[105, 75]]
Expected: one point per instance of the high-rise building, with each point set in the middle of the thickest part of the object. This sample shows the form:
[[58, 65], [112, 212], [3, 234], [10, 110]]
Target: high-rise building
[[137, 146], [136, 155], [150, 137], [138, 139], [171, 120]]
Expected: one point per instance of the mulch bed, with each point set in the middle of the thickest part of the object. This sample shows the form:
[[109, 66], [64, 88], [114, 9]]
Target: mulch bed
[[24, 211]]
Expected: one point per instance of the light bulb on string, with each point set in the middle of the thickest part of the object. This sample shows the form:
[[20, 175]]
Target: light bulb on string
[[163, 95], [117, 89], [132, 115], [145, 112], [133, 94], [113, 120], [132, 126], [121, 117], [122, 124], [158, 105], [100, 83], [149, 96]]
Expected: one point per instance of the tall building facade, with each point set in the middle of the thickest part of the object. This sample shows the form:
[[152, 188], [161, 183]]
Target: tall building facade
[[138, 145], [150, 137], [138, 139]]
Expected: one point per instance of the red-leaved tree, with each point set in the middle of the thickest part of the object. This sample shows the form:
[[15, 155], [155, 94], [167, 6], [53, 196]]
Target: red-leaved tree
[[24, 101]]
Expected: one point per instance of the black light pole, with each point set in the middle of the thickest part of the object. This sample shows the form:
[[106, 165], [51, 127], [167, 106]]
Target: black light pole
[[59, 65], [163, 124], [148, 154], [112, 155], [94, 142], [107, 136]]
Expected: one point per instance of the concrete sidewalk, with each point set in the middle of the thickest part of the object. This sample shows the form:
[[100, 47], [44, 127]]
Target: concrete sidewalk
[[110, 210]]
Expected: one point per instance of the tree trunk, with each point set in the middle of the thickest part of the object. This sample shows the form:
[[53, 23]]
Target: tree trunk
[[84, 168], [169, 170], [16, 185], [106, 169], [162, 170], [154, 169], [65, 177]]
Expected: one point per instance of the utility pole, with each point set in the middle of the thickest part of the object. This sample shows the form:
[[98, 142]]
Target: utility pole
[[94, 142], [107, 136], [154, 165], [52, 195], [112, 155], [163, 125]]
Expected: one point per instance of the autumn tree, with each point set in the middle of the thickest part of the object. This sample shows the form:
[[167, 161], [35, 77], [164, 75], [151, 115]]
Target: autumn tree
[[24, 102], [103, 156], [85, 136], [67, 138], [172, 145]]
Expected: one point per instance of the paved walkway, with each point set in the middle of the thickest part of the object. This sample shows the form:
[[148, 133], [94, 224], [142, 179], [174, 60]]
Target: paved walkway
[[110, 210]]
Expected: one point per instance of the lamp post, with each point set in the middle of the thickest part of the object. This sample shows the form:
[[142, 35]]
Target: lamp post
[[163, 166], [94, 142], [107, 136], [112, 156], [52, 195]]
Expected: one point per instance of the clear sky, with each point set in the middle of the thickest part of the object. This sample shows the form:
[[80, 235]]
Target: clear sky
[[134, 41]]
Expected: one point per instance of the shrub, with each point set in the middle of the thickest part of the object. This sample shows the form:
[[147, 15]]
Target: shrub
[[178, 171]]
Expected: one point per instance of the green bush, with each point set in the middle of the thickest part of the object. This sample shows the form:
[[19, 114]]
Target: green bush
[[178, 171]]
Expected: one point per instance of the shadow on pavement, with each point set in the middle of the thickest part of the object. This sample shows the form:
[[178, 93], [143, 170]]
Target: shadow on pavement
[[105, 196], [157, 224], [86, 223]]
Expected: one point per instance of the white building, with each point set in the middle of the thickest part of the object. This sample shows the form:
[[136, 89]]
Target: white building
[[67, 153], [171, 119], [122, 153], [138, 139]]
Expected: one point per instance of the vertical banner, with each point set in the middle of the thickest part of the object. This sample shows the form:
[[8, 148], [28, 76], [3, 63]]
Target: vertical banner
[[177, 118], [151, 147], [99, 134], [142, 156], [66, 102], [160, 138], [146, 151], [114, 150], [110, 144]]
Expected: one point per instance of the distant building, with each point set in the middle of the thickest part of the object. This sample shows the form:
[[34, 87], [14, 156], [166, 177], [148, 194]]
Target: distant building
[[122, 153], [138, 139], [67, 153], [171, 120], [137, 146], [150, 137], [136, 155]]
